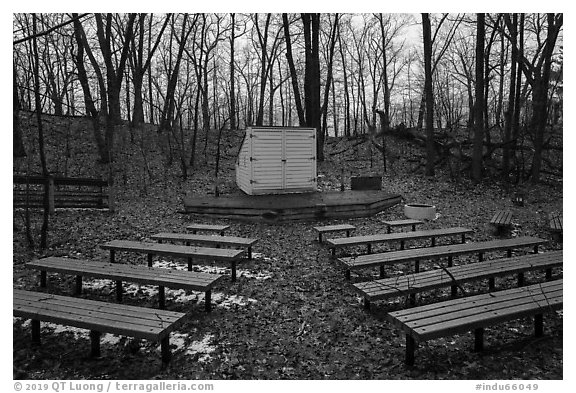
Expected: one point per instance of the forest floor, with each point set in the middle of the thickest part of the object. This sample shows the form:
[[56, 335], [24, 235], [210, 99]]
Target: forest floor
[[291, 314]]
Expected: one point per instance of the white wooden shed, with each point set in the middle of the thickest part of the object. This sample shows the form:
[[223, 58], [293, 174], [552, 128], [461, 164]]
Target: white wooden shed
[[277, 160]]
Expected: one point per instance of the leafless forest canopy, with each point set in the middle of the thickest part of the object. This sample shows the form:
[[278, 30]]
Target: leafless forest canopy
[[499, 76]]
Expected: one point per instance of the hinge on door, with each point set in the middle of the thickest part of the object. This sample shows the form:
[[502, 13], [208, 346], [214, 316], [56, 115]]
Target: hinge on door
[[283, 160], [253, 159]]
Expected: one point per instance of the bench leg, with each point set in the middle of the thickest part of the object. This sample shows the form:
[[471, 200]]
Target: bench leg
[[549, 274], [412, 299], [416, 266], [520, 279], [348, 233], [233, 270], [112, 256], [347, 274], [509, 253], [388, 229], [539, 325], [95, 343], [410, 348], [453, 290], [480, 257], [249, 252], [450, 261], [366, 304], [433, 241], [161, 297], [78, 285], [189, 264], [119, 291], [333, 252], [222, 233], [491, 284], [478, 339], [43, 279], [463, 238], [150, 256], [320, 237], [208, 300], [369, 248], [413, 227], [165, 350], [402, 244], [35, 324], [382, 271]]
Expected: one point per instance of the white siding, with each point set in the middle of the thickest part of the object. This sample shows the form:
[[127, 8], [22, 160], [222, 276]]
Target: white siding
[[283, 160]]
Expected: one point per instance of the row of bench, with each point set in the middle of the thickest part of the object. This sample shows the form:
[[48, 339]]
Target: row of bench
[[115, 318], [457, 315]]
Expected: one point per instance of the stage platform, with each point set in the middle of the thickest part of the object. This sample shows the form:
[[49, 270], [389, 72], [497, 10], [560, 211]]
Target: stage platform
[[306, 206]]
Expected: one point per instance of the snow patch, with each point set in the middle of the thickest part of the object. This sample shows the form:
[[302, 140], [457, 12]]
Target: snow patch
[[202, 347], [175, 295]]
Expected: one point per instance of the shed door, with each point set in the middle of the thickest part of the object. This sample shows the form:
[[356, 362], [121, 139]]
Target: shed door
[[267, 165], [299, 163]]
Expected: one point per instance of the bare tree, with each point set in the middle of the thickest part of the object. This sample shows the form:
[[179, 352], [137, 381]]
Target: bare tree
[[427, 38], [480, 103]]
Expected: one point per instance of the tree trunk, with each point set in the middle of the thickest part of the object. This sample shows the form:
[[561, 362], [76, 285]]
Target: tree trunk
[[540, 94], [428, 94], [18, 149], [233, 125], [329, 77], [44, 165], [479, 106], [509, 114], [293, 74], [312, 79]]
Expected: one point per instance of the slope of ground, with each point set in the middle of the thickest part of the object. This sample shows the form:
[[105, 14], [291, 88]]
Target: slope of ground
[[291, 314]]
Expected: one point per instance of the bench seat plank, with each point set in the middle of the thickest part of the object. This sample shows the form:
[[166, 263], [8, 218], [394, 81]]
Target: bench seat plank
[[399, 236], [333, 228], [208, 228], [415, 254], [195, 281], [556, 222], [475, 313], [230, 241], [190, 252], [150, 324], [438, 278], [174, 250], [502, 218], [464, 314], [402, 223]]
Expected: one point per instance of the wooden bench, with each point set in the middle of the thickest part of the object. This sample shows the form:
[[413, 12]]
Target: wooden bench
[[98, 317], [417, 254], [474, 313], [411, 284], [502, 220], [63, 192], [194, 228], [333, 228], [117, 272], [232, 256], [402, 223], [555, 222], [209, 240], [333, 244]]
